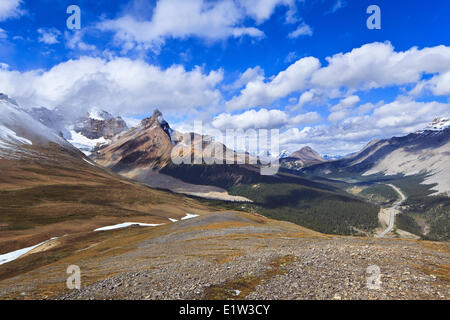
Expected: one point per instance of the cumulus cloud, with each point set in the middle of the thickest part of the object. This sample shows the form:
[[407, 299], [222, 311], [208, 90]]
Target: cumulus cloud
[[312, 96], [262, 119], [251, 74], [351, 133], [378, 65], [440, 84], [258, 92], [374, 65], [120, 85], [261, 10], [48, 36], [10, 9], [74, 41], [212, 21], [343, 108]]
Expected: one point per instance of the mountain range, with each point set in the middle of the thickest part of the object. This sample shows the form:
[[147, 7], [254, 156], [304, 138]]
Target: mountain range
[[110, 199], [425, 152]]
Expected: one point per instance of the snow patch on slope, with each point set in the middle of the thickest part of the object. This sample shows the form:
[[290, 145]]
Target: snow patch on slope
[[8, 257], [125, 225], [189, 216], [9, 135], [85, 144]]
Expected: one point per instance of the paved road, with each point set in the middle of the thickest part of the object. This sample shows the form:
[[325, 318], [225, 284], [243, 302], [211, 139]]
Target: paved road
[[393, 209]]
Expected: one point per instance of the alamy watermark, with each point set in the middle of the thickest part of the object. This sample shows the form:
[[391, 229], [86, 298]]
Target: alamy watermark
[[74, 20], [236, 146], [74, 280], [374, 20], [374, 281]]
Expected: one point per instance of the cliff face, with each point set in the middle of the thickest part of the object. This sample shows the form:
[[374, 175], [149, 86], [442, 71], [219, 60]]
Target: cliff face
[[147, 146], [97, 128]]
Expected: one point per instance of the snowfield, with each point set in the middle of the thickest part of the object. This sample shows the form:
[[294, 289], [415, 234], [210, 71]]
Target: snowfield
[[189, 216], [85, 144], [8, 257], [125, 225], [9, 135]]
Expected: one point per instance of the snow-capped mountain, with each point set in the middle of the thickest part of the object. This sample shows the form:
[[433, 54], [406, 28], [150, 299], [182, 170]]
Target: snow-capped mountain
[[19, 131], [425, 152], [438, 124], [86, 133]]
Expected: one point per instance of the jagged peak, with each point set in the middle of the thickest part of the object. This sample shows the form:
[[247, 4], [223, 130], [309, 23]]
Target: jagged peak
[[156, 120], [438, 124]]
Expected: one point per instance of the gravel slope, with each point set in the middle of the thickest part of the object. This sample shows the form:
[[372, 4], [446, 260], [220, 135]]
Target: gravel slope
[[213, 255]]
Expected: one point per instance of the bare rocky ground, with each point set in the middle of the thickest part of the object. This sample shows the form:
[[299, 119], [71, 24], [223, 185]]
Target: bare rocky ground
[[230, 255]]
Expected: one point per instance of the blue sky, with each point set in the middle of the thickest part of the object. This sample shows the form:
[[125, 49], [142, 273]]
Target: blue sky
[[310, 68]]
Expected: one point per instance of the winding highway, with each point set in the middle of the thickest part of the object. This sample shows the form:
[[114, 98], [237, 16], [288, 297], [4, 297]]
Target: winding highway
[[393, 209]]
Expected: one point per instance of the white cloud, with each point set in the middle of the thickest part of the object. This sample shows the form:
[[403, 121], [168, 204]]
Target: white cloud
[[261, 10], [350, 101], [352, 132], [251, 74], [306, 97], [120, 85], [3, 34], [74, 41], [49, 36], [291, 57], [259, 93], [212, 21], [251, 119], [302, 30], [440, 85], [338, 115], [209, 20], [377, 65], [312, 96], [10, 9], [406, 113], [374, 65], [339, 4], [367, 107], [262, 119]]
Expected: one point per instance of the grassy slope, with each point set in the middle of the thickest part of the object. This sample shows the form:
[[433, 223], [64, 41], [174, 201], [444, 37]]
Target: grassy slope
[[63, 191]]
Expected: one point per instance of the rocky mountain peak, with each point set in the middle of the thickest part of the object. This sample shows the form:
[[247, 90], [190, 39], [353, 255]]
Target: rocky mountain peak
[[439, 124], [307, 153], [157, 120], [100, 124]]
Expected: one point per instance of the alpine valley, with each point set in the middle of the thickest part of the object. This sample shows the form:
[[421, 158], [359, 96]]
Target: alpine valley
[[93, 191]]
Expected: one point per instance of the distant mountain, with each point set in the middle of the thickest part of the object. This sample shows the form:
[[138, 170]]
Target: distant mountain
[[302, 158], [23, 137], [86, 132], [426, 152], [144, 153]]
